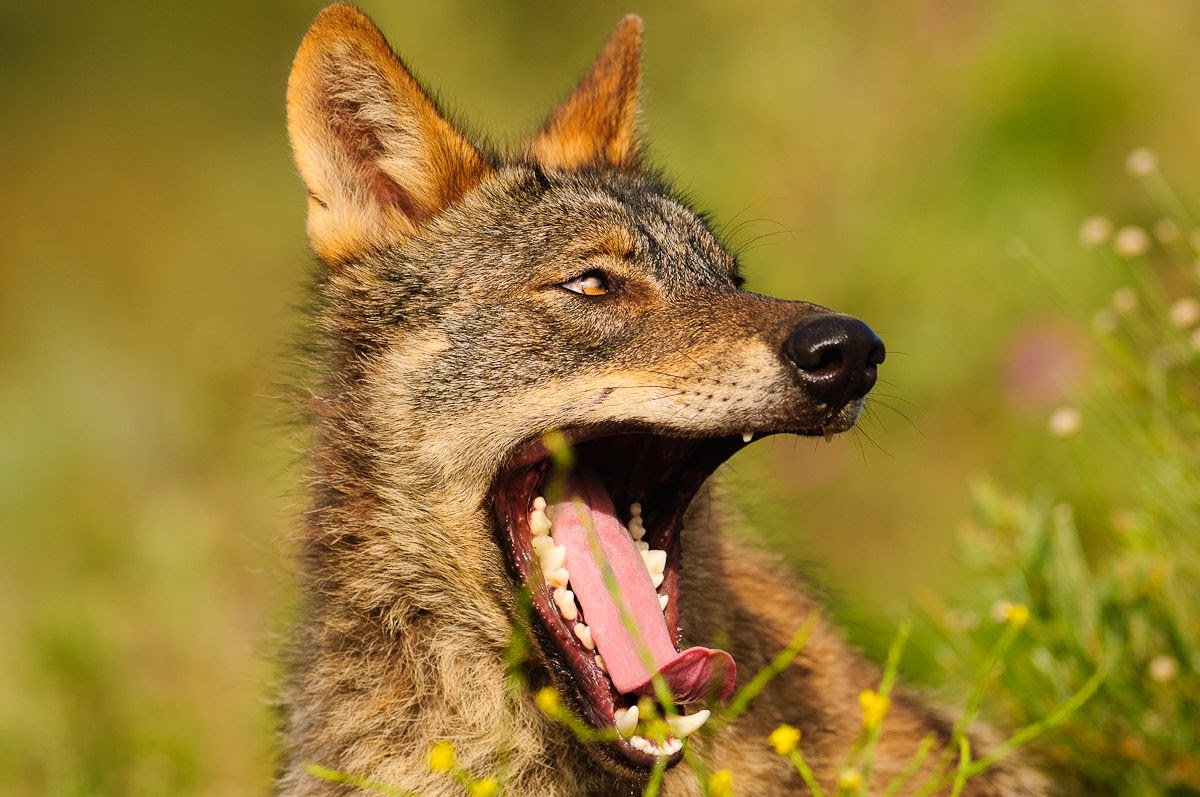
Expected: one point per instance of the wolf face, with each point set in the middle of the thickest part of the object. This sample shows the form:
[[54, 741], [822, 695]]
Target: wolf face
[[475, 303]]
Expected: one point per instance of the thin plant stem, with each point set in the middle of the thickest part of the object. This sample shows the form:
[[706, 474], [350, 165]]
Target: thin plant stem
[[914, 765], [885, 690], [964, 765], [333, 776], [656, 776], [741, 700], [806, 773]]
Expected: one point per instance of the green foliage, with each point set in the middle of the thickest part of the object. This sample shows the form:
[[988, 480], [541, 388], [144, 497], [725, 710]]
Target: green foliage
[[953, 769], [1122, 591]]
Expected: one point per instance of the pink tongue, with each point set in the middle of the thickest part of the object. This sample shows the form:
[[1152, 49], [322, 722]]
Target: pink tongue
[[692, 675]]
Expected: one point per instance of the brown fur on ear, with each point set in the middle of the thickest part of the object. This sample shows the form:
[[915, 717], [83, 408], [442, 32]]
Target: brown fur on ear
[[595, 125], [377, 156]]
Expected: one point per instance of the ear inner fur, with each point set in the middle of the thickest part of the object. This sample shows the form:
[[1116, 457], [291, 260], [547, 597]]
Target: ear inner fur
[[378, 158], [596, 124]]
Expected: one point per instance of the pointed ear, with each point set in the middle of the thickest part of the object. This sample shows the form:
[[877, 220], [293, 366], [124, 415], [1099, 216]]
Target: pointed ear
[[378, 158], [595, 125]]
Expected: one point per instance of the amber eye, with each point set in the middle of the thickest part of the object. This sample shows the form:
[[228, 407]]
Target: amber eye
[[593, 283]]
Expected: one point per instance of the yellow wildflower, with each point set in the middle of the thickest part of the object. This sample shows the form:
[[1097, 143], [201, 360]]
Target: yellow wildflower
[[488, 787], [441, 756], [849, 779], [720, 783], [784, 739], [547, 700], [874, 707], [1016, 614]]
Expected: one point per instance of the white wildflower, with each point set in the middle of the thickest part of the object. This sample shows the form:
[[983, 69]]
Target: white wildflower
[[1065, 421], [1185, 312], [1166, 231], [1095, 231], [1124, 300], [1131, 241], [1163, 668], [1141, 162]]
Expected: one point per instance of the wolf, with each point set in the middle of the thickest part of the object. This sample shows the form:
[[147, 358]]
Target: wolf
[[474, 306]]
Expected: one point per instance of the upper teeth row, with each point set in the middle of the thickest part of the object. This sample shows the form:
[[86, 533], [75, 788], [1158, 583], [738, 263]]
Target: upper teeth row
[[553, 558], [656, 561]]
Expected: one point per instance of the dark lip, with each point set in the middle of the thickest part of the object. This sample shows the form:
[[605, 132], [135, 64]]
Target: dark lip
[[666, 500]]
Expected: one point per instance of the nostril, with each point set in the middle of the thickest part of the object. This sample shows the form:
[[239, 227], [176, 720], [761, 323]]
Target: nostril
[[824, 358], [878, 352]]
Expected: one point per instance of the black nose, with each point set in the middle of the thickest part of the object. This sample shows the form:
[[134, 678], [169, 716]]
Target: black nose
[[837, 356]]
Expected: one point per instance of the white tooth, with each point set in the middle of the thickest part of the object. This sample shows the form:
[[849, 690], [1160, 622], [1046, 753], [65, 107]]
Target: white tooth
[[674, 746], [662, 601], [565, 600], [558, 578], [747, 437], [600, 663], [584, 632], [641, 545], [541, 546], [640, 743], [828, 434], [539, 524], [656, 579], [553, 558], [656, 561], [635, 510], [636, 529], [539, 503], [626, 719], [682, 726]]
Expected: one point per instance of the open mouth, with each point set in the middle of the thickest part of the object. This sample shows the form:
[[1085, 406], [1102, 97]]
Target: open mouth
[[598, 547]]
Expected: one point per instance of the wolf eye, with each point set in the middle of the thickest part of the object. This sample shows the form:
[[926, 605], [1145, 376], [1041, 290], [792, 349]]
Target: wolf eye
[[593, 283]]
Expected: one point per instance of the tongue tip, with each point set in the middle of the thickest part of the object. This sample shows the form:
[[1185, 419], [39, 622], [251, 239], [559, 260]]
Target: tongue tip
[[696, 674]]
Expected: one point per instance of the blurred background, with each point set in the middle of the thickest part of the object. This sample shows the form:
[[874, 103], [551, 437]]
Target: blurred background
[[924, 165]]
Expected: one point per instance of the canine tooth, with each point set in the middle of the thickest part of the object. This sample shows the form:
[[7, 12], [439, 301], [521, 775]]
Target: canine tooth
[[828, 434], [747, 437], [635, 510], [656, 579], [682, 726], [553, 558], [636, 529], [662, 602], [584, 632], [542, 546], [626, 720], [565, 600], [641, 545], [539, 503], [656, 561], [600, 663], [558, 578], [539, 524]]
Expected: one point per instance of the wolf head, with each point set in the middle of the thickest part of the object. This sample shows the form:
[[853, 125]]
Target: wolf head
[[474, 303]]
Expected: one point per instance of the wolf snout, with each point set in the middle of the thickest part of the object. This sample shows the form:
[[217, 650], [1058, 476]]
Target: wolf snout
[[836, 356]]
